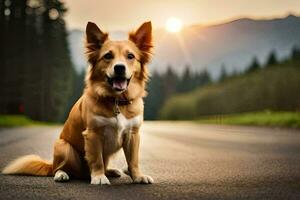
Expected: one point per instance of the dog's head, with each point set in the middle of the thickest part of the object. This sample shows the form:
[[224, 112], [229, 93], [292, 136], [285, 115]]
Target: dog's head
[[117, 66]]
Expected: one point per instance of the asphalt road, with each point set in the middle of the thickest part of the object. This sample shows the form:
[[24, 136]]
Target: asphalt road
[[187, 161]]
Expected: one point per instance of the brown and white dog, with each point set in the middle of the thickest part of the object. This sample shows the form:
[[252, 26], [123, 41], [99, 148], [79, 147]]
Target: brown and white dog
[[106, 118]]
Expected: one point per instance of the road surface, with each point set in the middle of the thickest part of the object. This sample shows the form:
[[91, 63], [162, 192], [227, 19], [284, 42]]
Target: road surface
[[187, 161]]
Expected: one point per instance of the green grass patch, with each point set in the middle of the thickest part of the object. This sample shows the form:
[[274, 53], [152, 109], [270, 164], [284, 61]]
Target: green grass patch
[[267, 118], [19, 120]]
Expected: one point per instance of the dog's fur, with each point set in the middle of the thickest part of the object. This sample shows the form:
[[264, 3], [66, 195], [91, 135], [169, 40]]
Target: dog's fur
[[93, 132]]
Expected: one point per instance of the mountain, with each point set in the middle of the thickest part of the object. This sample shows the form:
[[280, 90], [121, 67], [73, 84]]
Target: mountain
[[232, 44]]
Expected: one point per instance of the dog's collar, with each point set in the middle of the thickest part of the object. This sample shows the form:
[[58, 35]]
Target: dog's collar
[[119, 101], [122, 101]]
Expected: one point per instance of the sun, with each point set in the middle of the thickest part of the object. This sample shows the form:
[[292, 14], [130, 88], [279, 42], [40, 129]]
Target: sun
[[173, 25]]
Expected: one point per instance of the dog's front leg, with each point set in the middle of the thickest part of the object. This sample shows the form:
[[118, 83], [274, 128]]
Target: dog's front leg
[[93, 147], [131, 150]]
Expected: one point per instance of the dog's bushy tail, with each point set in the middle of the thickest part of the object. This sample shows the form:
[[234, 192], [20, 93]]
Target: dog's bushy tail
[[29, 165]]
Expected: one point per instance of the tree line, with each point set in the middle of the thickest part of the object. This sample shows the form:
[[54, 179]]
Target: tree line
[[273, 86], [255, 65], [163, 86], [36, 71], [166, 85]]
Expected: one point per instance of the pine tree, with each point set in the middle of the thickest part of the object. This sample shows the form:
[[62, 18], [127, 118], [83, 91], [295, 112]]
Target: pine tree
[[170, 80], [202, 78], [223, 73], [185, 82], [254, 66], [36, 68], [295, 53], [58, 85], [155, 98], [272, 59], [12, 26], [77, 90]]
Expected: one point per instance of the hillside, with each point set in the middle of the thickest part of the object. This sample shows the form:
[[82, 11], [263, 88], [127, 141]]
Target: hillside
[[274, 88], [233, 44]]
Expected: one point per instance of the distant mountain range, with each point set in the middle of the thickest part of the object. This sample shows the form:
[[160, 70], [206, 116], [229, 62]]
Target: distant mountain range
[[232, 44]]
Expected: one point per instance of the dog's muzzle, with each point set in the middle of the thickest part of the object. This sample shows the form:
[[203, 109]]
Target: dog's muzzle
[[118, 83]]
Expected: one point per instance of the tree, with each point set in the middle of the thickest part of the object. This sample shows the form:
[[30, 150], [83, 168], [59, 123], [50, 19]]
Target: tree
[[272, 59], [202, 78], [186, 82], [223, 73], [77, 90], [254, 66], [163, 86], [12, 37], [36, 67], [295, 53], [155, 98], [170, 80]]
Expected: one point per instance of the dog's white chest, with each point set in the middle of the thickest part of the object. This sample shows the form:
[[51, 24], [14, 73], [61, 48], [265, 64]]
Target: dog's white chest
[[120, 123], [115, 129]]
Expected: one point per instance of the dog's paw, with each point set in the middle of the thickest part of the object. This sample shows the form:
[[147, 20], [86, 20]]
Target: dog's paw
[[61, 176], [126, 171], [113, 173], [143, 179], [100, 180]]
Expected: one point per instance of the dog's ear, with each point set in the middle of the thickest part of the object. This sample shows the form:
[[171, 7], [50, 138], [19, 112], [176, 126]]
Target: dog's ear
[[94, 34], [142, 38], [94, 40]]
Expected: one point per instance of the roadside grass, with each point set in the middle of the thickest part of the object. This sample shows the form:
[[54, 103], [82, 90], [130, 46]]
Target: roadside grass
[[19, 120], [265, 118]]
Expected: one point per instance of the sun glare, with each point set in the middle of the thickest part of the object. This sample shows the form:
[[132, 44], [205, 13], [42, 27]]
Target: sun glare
[[173, 25]]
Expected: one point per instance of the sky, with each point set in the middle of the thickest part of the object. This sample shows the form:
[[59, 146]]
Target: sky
[[112, 15]]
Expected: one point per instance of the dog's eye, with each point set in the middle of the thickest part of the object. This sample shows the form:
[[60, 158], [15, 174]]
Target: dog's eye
[[108, 56], [130, 56]]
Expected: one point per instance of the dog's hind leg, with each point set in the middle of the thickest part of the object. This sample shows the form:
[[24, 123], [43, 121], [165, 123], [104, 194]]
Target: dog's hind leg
[[66, 161]]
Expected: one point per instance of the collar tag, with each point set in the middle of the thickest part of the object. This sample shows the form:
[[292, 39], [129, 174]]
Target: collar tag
[[116, 107]]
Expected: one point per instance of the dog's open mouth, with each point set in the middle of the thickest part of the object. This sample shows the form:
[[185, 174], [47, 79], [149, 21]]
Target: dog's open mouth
[[118, 83]]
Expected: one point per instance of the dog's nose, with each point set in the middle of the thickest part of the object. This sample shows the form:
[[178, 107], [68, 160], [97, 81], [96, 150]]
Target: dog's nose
[[119, 69]]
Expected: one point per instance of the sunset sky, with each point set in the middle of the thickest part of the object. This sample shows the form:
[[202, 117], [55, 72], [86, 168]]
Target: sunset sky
[[127, 14]]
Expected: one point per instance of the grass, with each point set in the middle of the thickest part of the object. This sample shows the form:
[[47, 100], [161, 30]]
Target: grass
[[18, 120], [266, 118]]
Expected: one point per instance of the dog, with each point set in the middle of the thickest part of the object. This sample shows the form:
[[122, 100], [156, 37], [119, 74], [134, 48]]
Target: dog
[[106, 118]]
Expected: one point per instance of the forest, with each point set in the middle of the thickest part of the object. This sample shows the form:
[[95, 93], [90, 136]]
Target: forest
[[36, 70], [273, 86]]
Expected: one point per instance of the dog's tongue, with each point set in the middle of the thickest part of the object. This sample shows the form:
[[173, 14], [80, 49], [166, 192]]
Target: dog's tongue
[[120, 84]]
